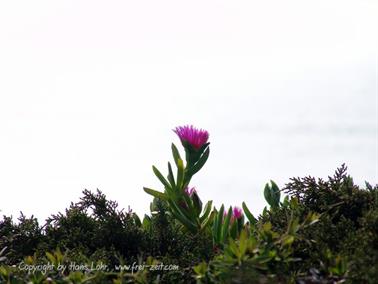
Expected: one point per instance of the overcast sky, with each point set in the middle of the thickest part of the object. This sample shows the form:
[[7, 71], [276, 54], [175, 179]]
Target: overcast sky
[[90, 90]]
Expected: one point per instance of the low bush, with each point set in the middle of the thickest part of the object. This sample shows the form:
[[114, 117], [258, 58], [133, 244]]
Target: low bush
[[322, 231]]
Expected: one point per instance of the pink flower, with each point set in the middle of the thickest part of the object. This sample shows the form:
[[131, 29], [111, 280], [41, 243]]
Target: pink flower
[[189, 134], [190, 191], [237, 212]]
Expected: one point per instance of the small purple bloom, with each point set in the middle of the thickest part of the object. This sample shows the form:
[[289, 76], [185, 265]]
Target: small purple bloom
[[190, 191], [195, 137], [237, 212]]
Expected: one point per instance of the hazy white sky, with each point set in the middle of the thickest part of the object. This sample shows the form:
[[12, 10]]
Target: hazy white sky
[[90, 90]]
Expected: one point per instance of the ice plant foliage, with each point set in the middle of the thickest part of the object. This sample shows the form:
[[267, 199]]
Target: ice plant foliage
[[196, 145], [272, 194], [190, 135], [183, 201], [227, 223]]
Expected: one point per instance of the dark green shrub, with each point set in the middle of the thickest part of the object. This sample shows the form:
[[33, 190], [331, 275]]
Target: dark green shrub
[[322, 232], [96, 223], [347, 226], [19, 239]]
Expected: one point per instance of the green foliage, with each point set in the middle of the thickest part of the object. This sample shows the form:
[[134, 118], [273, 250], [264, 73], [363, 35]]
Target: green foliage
[[186, 208], [21, 238], [96, 223], [321, 232], [225, 226], [343, 243], [272, 194], [249, 215]]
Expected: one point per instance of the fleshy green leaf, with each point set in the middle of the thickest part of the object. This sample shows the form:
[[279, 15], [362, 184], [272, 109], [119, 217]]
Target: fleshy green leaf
[[249, 215], [207, 210], [197, 203], [160, 177], [180, 174], [146, 222], [226, 224], [171, 178], [267, 194], [176, 154], [234, 230], [243, 243], [275, 193], [207, 221], [182, 218], [201, 162], [156, 193], [190, 211], [215, 225], [220, 220]]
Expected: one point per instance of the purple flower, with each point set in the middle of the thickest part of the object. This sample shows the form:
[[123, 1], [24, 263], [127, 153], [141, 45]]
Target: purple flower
[[190, 191], [189, 134], [237, 212]]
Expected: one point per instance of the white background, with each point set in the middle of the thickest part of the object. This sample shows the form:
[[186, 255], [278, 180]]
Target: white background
[[90, 90]]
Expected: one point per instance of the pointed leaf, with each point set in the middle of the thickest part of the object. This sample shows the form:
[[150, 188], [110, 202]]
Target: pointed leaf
[[176, 154], [234, 230], [180, 174], [220, 222], [156, 193], [243, 243], [207, 221], [267, 194], [197, 203], [249, 215], [182, 218], [171, 178], [275, 193], [226, 224], [215, 226], [201, 162], [160, 177], [189, 211], [146, 222], [207, 210]]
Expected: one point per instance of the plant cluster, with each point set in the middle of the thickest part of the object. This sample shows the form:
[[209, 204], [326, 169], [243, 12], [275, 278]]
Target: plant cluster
[[321, 231]]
